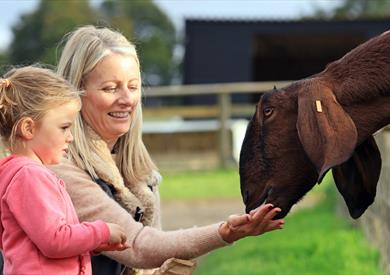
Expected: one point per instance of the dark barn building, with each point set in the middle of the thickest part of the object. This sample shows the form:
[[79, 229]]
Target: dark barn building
[[218, 51]]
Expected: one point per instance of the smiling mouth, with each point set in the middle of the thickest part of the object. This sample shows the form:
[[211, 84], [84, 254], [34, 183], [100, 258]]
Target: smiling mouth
[[119, 114]]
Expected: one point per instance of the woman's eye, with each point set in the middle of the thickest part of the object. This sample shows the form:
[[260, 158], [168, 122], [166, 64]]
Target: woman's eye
[[133, 88], [110, 89], [267, 111]]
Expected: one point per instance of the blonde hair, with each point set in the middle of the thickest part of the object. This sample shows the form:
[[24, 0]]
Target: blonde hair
[[30, 92], [84, 48]]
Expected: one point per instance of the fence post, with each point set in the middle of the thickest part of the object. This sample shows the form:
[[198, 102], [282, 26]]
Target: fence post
[[224, 103], [376, 220]]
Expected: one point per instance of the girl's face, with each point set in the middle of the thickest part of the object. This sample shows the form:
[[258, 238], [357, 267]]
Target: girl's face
[[112, 92], [51, 135]]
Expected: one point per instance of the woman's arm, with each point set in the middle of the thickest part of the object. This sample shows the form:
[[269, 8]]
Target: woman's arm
[[149, 247]]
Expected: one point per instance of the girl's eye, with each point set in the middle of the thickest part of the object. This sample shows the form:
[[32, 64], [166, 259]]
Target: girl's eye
[[268, 111]]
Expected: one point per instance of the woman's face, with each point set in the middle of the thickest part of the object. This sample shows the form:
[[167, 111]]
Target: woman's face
[[112, 92]]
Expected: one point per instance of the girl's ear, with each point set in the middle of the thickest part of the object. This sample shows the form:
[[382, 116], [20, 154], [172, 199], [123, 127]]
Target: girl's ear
[[26, 128]]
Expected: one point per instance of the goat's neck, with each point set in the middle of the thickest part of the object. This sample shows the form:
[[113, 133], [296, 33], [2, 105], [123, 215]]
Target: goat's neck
[[363, 73], [361, 83], [369, 116], [367, 100]]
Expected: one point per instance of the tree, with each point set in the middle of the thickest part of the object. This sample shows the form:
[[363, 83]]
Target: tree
[[352, 9], [153, 33], [3, 64], [37, 34]]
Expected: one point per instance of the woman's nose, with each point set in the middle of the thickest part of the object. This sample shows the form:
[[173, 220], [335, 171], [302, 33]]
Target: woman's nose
[[127, 97]]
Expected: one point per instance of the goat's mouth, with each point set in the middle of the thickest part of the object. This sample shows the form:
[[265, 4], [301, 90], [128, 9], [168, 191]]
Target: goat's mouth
[[253, 203], [268, 196]]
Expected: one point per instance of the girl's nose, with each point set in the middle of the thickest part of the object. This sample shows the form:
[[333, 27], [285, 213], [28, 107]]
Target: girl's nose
[[69, 138]]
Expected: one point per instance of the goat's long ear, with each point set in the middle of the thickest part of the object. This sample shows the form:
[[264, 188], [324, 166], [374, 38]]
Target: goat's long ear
[[357, 178], [327, 133]]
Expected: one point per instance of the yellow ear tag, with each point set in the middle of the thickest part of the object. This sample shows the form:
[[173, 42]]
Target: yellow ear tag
[[318, 106]]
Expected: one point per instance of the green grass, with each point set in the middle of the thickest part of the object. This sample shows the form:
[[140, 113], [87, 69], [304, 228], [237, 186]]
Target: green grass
[[209, 184], [314, 241], [200, 184]]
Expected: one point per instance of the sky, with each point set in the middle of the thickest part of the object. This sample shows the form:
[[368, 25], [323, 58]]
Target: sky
[[178, 10]]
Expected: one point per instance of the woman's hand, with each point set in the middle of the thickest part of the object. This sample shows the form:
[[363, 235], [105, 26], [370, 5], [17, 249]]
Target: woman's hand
[[257, 222]]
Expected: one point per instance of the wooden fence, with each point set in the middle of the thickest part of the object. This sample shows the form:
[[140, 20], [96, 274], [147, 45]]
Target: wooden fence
[[223, 111]]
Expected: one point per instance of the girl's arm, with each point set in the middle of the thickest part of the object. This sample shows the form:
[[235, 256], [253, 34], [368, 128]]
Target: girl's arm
[[37, 203]]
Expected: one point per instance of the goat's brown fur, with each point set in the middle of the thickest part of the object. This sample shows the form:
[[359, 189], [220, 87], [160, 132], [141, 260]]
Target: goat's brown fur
[[286, 151]]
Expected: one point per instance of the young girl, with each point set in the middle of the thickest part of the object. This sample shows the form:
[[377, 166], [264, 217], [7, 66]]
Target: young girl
[[40, 232]]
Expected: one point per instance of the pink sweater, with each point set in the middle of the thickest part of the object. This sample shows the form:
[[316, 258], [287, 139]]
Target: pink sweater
[[40, 232]]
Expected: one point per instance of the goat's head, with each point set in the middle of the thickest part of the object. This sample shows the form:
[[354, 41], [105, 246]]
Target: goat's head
[[295, 136]]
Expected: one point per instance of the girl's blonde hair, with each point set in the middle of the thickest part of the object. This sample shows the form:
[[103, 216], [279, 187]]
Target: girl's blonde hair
[[30, 92], [84, 48]]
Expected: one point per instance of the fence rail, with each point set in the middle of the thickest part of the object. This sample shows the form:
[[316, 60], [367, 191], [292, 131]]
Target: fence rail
[[216, 88], [223, 111]]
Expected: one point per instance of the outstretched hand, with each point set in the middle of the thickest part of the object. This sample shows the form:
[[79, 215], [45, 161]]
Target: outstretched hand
[[257, 222]]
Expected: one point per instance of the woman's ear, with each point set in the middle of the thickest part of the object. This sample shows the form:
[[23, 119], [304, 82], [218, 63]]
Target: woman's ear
[[26, 128]]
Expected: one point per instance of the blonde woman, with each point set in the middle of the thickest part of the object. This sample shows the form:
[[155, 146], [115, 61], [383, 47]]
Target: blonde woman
[[110, 175], [40, 232]]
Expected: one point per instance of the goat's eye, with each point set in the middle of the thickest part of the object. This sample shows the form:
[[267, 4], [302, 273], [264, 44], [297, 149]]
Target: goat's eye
[[267, 111]]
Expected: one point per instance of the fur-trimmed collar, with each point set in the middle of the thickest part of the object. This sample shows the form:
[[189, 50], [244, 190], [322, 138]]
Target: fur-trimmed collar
[[129, 195]]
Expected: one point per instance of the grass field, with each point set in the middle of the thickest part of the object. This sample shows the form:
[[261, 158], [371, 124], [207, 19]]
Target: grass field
[[210, 184], [314, 241]]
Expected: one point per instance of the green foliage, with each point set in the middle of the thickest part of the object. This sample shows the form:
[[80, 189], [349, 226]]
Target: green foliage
[[314, 241], [153, 33], [3, 65], [37, 34], [352, 9]]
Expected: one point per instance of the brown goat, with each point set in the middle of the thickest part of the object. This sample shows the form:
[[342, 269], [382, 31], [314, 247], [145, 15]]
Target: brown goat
[[319, 123]]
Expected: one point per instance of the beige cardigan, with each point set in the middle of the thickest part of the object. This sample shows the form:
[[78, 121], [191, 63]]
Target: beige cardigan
[[150, 247]]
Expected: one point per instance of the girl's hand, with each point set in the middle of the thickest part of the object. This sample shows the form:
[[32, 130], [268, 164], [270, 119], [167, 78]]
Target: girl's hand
[[117, 233], [111, 247], [257, 222], [117, 240]]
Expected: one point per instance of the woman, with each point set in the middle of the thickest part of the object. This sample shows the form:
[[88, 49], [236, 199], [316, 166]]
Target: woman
[[110, 175]]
